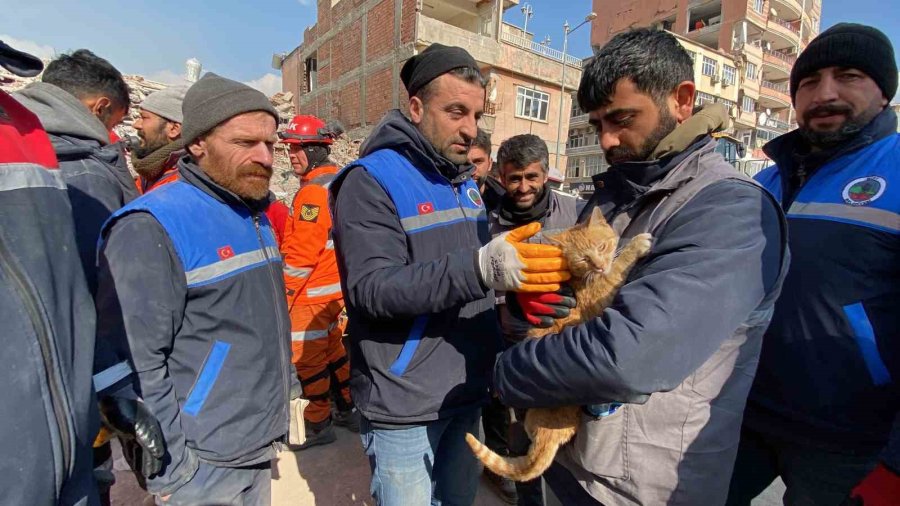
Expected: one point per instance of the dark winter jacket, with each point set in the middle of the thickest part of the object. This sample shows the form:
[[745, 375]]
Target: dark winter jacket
[[407, 224], [829, 374], [48, 413], [685, 329], [95, 171], [190, 276]]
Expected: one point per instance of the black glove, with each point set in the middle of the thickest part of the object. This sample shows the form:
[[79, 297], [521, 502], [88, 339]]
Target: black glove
[[133, 421]]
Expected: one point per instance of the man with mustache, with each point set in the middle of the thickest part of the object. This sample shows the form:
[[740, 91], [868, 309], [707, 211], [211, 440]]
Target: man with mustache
[[823, 411], [524, 171], [191, 281], [159, 130], [418, 274], [680, 340]]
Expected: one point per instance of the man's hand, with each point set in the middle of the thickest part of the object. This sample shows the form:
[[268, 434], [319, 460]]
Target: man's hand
[[881, 487], [131, 419], [508, 263], [540, 309]]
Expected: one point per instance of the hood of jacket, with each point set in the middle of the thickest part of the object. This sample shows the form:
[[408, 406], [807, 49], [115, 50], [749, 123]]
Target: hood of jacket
[[61, 113], [396, 132]]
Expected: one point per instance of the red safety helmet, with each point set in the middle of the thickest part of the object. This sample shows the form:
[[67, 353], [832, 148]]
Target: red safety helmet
[[307, 130]]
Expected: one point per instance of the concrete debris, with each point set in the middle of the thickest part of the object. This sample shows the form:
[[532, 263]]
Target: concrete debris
[[284, 183]]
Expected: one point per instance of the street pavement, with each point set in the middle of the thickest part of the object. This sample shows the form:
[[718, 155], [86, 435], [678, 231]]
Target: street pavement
[[331, 475]]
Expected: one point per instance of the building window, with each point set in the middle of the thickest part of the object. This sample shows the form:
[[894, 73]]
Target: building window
[[312, 70], [532, 104], [727, 103], [751, 71], [729, 74], [748, 104], [704, 98], [759, 5], [709, 66], [595, 164]]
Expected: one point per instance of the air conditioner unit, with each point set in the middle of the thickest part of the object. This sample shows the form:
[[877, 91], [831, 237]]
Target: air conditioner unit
[[714, 79]]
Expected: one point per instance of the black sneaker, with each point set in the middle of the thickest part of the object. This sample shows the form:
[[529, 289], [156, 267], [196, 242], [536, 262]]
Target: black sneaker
[[317, 434], [504, 487], [348, 419]]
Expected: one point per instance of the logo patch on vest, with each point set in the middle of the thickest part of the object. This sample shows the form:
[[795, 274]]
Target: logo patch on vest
[[864, 190], [225, 252], [425, 208], [309, 213], [474, 196]]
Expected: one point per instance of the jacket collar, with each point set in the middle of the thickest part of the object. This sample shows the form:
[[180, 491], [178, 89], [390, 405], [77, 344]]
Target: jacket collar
[[319, 171], [787, 149], [192, 174], [396, 132]]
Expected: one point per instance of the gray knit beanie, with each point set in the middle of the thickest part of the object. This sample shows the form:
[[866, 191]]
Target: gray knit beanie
[[214, 99], [166, 103]]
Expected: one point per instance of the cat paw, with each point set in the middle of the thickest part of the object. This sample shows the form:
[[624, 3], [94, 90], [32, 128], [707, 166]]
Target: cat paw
[[641, 243]]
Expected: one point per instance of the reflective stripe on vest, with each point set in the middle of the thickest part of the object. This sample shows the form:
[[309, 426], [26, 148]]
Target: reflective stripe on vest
[[297, 272], [17, 176], [323, 290], [424, 199], [309, 335], [111, 375], [860, 188], [224, 268]]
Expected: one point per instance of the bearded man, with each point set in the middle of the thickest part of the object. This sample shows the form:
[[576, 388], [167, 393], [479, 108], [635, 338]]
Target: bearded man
[[190, 278]]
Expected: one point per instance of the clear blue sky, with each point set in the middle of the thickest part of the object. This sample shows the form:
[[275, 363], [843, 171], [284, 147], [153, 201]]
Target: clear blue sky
[[237, 37]]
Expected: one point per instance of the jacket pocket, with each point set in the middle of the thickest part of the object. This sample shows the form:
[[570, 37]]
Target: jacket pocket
[[864, 335], [600, 445], [401, 364], [212, 366]]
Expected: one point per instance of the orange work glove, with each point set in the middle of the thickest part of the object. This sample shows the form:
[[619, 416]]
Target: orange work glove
[[508, 263]]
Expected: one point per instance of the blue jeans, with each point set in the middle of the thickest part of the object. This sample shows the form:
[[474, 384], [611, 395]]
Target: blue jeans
[[423, 464]]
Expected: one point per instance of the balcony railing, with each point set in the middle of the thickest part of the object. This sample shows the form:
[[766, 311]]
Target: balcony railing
[[538, 48], [581, 118], [788, 59], [786, 24], [779, 87], [777, 124]]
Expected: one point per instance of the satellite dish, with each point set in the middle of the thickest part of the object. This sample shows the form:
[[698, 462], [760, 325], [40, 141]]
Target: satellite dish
[[763, 118]]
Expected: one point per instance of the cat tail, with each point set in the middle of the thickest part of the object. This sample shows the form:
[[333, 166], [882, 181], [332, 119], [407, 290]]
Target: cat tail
[[540, 456]]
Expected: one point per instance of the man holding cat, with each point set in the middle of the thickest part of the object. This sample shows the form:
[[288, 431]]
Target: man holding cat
[[418, 273], [683, 335]]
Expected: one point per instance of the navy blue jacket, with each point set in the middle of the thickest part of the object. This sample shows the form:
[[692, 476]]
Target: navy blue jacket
[[423, 331], [710, 266], [830, 363], [48, 413]]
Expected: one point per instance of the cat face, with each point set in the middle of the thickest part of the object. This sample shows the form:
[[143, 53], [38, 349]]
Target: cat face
[[590, 247]]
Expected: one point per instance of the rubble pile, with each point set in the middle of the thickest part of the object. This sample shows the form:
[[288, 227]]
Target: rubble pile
[[284, 183]]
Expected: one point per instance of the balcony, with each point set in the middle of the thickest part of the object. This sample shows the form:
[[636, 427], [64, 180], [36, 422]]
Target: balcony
[[578, 121], [774, 95], [538, 48], [705, 23], [788, 9], [590, 149], [483, 49], [781, 34], [777, 65]]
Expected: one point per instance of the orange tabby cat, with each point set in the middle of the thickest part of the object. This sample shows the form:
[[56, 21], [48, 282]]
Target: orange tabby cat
[[597, 274]]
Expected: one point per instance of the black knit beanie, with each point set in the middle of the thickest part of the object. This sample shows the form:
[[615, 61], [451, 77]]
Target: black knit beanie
[[854, 46], [214, 99], [434, 61]]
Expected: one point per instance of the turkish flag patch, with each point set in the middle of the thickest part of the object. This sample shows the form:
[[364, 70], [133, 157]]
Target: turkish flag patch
[[425, 208], [225, 252]]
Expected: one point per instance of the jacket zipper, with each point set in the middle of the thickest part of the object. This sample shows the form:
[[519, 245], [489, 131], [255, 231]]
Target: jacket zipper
[[58, 398], [286, 382]]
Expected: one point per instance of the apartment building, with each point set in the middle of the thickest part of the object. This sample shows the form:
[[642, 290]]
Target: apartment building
[[348, 65], [716, 77], [762, 36]]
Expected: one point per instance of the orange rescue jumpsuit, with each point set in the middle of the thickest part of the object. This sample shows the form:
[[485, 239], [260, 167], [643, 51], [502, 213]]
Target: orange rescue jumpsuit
[[314, 297]]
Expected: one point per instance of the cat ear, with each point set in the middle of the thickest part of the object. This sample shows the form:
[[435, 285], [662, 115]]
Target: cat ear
[[596, 218]]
